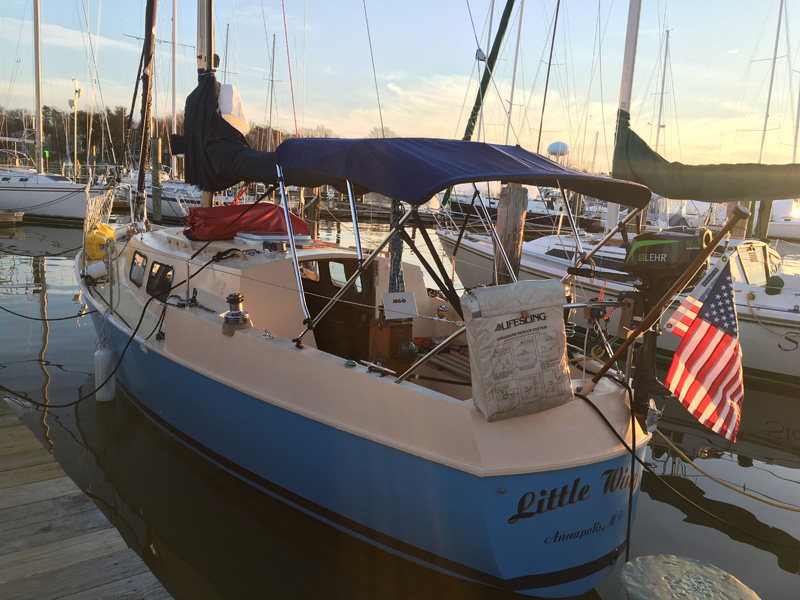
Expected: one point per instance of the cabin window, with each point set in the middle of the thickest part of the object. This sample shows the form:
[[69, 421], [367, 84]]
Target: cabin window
[[138, 268], [338, 276], [309, 269], [6, 178], [23, 179], [159, 283]]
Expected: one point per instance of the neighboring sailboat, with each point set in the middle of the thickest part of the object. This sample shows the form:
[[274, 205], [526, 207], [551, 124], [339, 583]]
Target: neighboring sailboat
[[766, 295], [31, 191]]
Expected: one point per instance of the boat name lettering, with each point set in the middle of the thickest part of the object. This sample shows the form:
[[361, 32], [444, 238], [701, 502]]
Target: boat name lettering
[[555, 499], [531, 318], [574, 535], [652, 258], [618, 479]]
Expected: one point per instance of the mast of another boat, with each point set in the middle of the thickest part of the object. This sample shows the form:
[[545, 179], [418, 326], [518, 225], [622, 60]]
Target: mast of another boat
[[174, 159], [514, 74], [140, 206], [661, 99], [626, 88], [759, 225], [37, 62]]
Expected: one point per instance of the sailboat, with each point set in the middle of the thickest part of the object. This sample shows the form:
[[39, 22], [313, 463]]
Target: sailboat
[[39, 195], [445, 429], [766, 294]]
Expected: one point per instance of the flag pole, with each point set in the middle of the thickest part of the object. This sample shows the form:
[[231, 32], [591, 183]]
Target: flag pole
[[739, 212]]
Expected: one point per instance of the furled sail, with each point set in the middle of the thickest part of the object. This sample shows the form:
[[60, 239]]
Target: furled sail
[[635, 161]]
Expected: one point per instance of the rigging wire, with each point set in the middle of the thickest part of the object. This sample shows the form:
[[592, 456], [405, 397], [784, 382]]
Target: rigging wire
[[374, 74], [289, 62]]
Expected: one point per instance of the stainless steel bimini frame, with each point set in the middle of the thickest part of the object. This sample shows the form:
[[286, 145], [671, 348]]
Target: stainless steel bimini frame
[[398, 229]]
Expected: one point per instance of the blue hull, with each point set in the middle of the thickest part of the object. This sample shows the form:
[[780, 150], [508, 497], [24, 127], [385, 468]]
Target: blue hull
[[550, 534]]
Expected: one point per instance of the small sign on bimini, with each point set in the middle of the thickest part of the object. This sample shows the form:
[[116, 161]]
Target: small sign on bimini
[[399, 305]]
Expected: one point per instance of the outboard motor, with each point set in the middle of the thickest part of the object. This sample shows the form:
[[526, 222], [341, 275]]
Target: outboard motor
[[658, 258], [654, 261]]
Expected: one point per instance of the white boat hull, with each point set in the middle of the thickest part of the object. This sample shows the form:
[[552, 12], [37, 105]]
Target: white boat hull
[[769, 326]]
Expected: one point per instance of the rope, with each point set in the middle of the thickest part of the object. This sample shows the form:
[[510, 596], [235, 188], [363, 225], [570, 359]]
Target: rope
[[785, 336], [80, 314], [723, 483], [374, 74], [289, 62]]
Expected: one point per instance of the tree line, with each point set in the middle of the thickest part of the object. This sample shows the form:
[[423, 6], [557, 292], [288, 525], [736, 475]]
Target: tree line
[[106, 142]]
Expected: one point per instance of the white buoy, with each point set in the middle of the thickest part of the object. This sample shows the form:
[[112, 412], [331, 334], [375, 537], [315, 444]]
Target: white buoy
[[104, 363], [668, 577]]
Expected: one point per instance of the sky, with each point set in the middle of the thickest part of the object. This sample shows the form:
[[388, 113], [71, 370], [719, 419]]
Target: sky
[[410, 65]]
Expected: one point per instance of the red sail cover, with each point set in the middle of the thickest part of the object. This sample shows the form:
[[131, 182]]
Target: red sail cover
[[224, 222]]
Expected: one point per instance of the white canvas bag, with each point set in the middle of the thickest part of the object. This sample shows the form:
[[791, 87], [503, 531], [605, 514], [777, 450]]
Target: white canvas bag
[[518, 348]]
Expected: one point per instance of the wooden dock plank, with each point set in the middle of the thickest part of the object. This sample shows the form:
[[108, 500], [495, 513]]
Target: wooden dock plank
[[62, 507], [18, 439], [35, 492], [142, 585], [9, 462], [78, 578], [30, 474], [54, 541], [63, 553], [52, 530]]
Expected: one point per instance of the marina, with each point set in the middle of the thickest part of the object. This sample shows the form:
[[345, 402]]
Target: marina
[[266, 360], [212, 536]]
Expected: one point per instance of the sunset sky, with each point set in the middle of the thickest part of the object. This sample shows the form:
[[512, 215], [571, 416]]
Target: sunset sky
[[715, 93]]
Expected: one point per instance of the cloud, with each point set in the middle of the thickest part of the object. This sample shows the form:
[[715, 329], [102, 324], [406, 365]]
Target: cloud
[[734, 51]]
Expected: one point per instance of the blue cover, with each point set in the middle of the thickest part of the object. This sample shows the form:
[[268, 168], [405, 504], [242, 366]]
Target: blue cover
[[415, 169]]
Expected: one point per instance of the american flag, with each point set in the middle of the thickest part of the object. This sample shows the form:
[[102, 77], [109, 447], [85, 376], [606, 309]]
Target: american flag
[[706, 371]]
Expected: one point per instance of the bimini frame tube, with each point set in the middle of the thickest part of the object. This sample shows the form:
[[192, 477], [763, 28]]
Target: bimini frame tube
[[290, 233], [311, 323], [493, 231], [354, 216], [572, 225]]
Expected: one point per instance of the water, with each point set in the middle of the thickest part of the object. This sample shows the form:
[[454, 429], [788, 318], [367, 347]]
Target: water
[[207, 535]]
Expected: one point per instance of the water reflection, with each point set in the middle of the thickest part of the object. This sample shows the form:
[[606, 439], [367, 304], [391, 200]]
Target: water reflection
[[208, 535]]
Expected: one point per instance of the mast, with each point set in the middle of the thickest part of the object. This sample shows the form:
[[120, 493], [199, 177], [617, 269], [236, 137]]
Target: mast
[[629, 57], [140, 208], [271, 88], [661, 100], [174, 159], [765, 206], [626, 91], [205, 59], [37, 66], [487, 73], [514, 76], [487, 77], [547, 79]]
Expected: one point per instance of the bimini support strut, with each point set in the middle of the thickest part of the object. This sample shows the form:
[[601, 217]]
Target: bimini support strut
[[354, 216], [572, 225], [290, 233], [362, 267]]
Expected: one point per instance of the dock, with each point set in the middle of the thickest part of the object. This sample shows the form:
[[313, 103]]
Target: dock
[[10, 219], [54, 541]]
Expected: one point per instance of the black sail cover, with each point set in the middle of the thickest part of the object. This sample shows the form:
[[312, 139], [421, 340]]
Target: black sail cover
[[217, 154], [635, 161], [412, 170]]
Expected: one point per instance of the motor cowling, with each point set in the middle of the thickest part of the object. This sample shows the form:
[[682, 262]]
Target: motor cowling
[[659, 258]]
